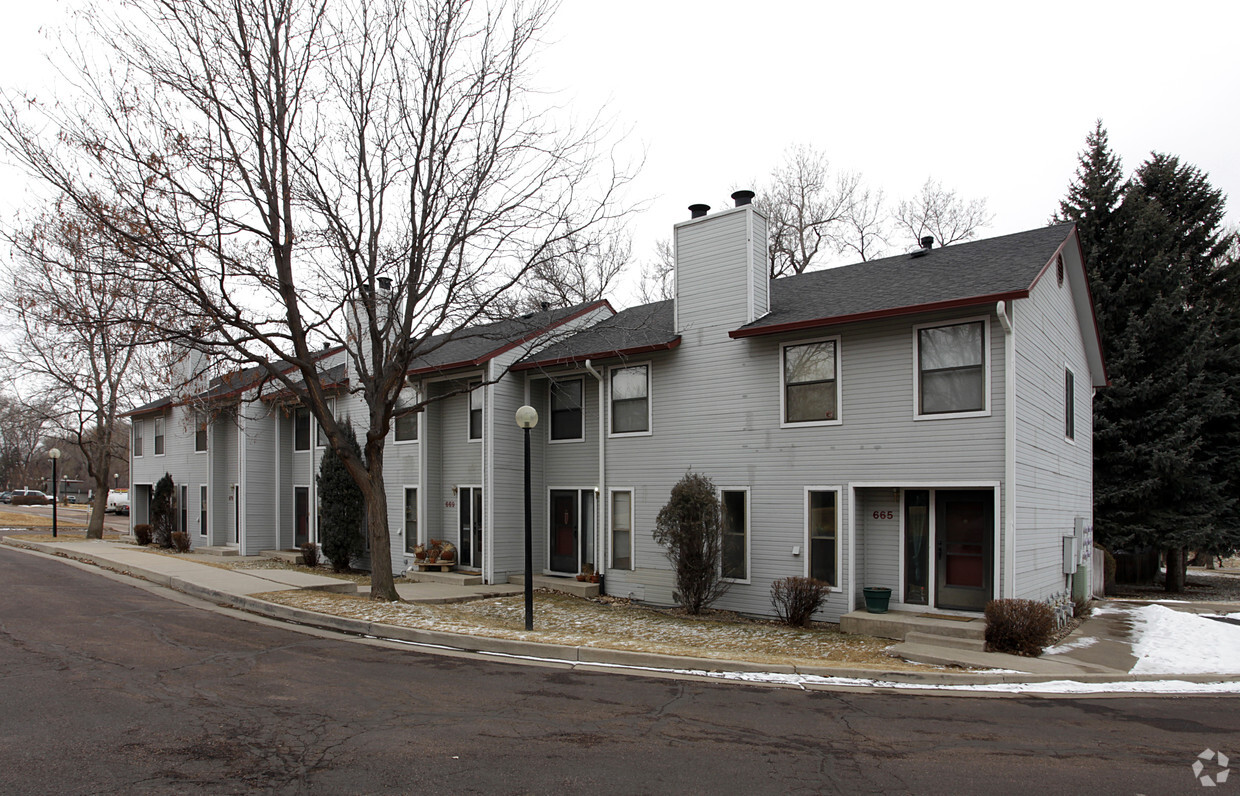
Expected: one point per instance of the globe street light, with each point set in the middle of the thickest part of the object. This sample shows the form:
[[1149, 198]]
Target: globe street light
[[527, 418], [54, 455]]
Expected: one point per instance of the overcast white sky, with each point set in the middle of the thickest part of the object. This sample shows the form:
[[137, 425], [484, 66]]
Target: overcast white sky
[[994, 99]]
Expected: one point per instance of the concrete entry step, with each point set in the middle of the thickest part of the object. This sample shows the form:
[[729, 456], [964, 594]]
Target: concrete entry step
[[287, 556], [453, 578], [217, 551], [571, 586], [955, 642], [898, 624]]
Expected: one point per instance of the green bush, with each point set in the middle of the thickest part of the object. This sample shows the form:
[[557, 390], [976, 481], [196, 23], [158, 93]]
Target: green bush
[[342, 511], [796, 599], [1021, 627], [142, 533], [310, 554], [689, 527], [163, 512]]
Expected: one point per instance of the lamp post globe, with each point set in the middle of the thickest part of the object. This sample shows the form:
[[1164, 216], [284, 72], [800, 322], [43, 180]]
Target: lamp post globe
[[527, 418]]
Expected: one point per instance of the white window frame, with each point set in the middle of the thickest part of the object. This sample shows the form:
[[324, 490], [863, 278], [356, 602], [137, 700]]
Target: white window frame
[[649, 400], [311, 430], [611, 528], [986, 369], [138, 440], [581, 437], [1069, 404], [204, 508], [839, 390], [839, 531], [156, 437], [748, 533], [480, 389], [201, 421], [417, 514]]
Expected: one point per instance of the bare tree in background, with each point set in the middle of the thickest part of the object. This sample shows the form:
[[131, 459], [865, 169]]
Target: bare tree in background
[[22, 425], [577, 270], [657, 281], [938, 211], [83, 343], [364, 172]]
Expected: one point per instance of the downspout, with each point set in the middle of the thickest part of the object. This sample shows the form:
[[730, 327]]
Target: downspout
[[1009, 450], [274, 411], [600, 551], [242, 486]]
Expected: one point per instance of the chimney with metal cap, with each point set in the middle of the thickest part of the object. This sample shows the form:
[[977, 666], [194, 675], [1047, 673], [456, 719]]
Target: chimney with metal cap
[[927, 242], [742, 198], [385, 283], [698, 211]]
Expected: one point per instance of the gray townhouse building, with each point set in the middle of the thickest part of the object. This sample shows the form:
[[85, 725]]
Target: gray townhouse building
[[920, 423]]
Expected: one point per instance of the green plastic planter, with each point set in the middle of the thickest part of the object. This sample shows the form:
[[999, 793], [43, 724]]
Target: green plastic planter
[[876, 599]]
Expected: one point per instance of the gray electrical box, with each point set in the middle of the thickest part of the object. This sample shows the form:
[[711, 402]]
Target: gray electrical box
[[1071, 554]]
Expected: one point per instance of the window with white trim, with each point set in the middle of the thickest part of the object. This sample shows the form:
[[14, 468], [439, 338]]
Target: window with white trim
[[734, 520], [159, 436], [301, 429], [567, 416], [951, 368], [621, 529], [137, 439], [1069, 404], [821, 514], [200, 432], [321, 436], [475, 410], [411, 519], [811, 385], [630, 400], [406, 422]]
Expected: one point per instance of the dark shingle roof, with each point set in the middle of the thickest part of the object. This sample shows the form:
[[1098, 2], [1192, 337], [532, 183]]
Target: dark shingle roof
[[474, 345], [648, 327], [984, 270]]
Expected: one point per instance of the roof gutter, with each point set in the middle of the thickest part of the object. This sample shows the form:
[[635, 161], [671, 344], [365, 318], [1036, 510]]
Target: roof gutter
[[576, 360]]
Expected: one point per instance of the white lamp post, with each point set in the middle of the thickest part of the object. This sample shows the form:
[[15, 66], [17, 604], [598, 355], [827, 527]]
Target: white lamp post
[[54, 455], [527, 418]]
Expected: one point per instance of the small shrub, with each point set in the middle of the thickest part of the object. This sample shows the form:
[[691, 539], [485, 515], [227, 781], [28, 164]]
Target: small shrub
[[1081, 606], [180, 541], [689, 528], [310, 554], [1021, 627], [142, 533], [163, 512], [342, 511], [796, 599]]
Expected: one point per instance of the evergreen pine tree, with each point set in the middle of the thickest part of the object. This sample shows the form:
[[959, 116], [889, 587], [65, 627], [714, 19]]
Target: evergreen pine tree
[[163, 511], [342, 509]]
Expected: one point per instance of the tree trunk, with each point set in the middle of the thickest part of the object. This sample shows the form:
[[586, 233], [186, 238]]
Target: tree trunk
[[1176, 569], [382, 584], [95, 529]]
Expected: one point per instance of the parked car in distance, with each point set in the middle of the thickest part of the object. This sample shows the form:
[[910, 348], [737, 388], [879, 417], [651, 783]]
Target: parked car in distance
[[118, 502], [6, 497], [30, 497]]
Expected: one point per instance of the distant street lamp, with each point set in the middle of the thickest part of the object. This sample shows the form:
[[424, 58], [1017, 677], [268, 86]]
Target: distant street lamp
[[116, 480], [527, 418], [54, 455]]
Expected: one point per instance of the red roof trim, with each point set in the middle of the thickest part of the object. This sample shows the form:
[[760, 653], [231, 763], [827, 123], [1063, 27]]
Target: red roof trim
[[469, 363], [892, 312], [624, 352]]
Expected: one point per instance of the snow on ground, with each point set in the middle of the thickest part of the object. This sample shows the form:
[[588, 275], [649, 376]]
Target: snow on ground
[[1174, 642], [1075, 644]]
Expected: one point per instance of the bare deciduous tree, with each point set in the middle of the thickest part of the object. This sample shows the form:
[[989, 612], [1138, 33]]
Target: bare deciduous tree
[[22, 425], [657, 282], [364, 172], [577, 270], [82, 341], [938, 211]]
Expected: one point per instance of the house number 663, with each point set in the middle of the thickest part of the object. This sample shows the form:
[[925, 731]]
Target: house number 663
[[884, 515]]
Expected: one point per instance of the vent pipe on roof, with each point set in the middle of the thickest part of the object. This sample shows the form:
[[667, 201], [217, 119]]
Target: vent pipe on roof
[[742, 198], [697, 211]]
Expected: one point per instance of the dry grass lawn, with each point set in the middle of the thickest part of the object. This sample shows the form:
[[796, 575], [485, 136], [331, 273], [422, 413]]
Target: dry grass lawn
[[615, 624]]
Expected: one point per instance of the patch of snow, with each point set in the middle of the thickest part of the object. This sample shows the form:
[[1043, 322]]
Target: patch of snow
[[1170, 641], [1076, 644]]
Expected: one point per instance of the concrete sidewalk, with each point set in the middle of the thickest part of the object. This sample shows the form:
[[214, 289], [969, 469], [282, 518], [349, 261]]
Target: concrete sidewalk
[[1108, 659]]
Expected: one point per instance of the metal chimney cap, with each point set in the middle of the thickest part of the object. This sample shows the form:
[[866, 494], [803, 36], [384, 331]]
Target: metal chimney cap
[[742, 198], [385, 283], [927, 242], [697, 211]]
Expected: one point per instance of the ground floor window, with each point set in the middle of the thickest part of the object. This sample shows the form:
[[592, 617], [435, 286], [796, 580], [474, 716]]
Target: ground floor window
[[184, 512], [202, 509], [621, 529], [411, 519], [735, 522], [823, 536]]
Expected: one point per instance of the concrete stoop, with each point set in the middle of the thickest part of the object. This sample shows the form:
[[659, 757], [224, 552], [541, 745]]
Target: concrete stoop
[[453, 578], [287, 556], [898, 624], [217, 551], [571, 586]]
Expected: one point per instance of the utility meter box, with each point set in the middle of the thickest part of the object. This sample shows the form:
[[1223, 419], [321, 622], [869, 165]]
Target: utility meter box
[[1071, 554]]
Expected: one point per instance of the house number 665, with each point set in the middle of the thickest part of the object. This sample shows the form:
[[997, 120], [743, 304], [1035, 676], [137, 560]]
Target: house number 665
[[884, 515]]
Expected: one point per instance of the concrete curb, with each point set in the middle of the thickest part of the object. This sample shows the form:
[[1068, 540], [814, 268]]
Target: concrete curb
[[595, 658]]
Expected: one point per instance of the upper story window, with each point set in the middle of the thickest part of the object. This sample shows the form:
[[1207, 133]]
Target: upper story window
[[1069, 404], [137, 438], [475, 410], [406, 423], [951, 369], [159, 436], [321, 437], [301, 429], [811, 382], [567, 422], [630, 400], [200, 432]]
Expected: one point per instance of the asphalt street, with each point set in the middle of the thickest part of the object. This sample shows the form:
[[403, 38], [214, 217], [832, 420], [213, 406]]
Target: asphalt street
[[108, 687]]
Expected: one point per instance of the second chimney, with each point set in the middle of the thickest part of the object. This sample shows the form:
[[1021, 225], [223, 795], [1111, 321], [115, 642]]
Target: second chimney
[[742, 198]]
